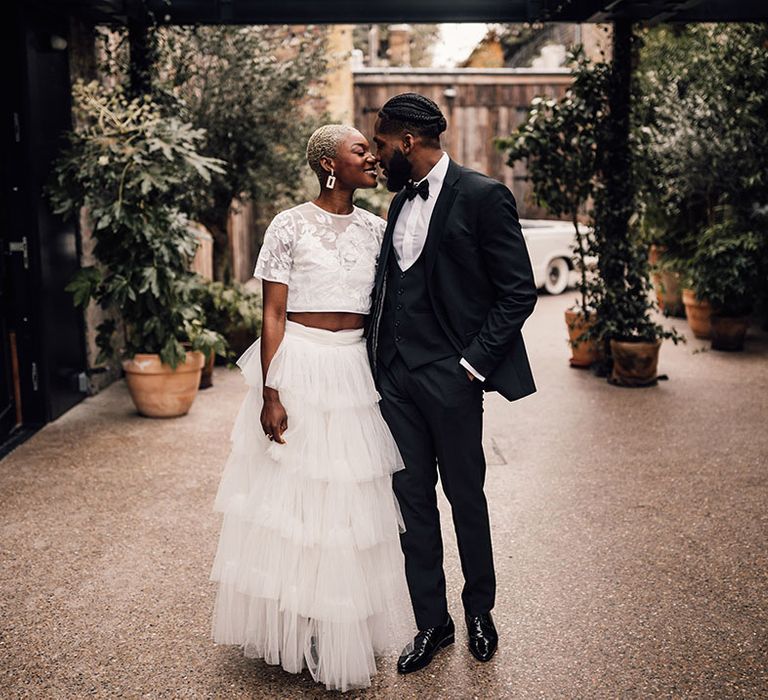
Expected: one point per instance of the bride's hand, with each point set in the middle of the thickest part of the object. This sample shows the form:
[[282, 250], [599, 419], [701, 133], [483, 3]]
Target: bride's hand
[[274, 419]]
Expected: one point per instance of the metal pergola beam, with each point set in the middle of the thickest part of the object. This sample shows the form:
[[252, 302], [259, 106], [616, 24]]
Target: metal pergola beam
[[301, 11], [361, 11], [654, 11]]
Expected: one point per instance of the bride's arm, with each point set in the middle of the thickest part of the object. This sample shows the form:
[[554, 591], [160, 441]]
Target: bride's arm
[[274, 419]]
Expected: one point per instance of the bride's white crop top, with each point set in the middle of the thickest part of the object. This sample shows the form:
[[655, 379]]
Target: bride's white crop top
[[327, 260]]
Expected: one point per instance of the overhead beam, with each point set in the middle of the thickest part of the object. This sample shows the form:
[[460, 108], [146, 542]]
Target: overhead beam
[[365, 11], [655, 11], [305, 11]]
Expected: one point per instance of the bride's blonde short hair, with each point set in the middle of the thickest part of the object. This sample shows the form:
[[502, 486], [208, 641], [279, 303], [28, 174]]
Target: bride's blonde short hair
[[324, 143]]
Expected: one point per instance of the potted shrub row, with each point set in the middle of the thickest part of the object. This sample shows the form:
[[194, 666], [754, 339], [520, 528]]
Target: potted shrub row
[[703, 177], [724, 275]]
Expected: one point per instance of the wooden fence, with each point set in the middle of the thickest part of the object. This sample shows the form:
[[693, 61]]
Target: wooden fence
[[479, 104]]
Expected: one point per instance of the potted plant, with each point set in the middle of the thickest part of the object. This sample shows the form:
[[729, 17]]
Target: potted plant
[[558, 142], [702, 149], [624, 321], [625, 313], [666, 280], [125, 164], [232, 311], [698, 313], [724, 272]]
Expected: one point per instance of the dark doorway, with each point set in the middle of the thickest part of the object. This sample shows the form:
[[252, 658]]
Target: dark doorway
[[42, 350]]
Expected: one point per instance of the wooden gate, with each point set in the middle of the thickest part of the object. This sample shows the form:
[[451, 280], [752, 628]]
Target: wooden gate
[[479, 105]]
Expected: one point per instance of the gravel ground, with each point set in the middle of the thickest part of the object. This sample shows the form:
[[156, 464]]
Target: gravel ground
[[630, 530]]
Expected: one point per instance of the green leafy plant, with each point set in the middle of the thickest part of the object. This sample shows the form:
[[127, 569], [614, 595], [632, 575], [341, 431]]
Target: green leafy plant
[[232, 311], [701, 142], [122, 164], [725, 268], [625, 308]]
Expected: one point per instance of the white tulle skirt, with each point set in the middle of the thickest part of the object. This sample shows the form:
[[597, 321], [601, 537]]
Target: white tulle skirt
[[309, 565]]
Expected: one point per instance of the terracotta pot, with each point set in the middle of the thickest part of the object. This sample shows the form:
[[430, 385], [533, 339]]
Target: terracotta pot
[[666, 283], [206, 376], [728, 332], [668, 293], [635, 363], [157, 390], [698, 314], [586, 352], [655, 252]]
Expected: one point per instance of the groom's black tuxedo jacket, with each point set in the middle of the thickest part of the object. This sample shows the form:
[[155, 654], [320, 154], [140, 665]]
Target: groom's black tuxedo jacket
[[479, 278]]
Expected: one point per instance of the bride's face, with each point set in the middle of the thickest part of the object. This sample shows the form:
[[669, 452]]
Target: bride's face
[[354, 164]]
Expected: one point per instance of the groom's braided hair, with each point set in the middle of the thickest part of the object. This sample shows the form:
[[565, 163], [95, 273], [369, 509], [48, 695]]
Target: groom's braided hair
[[412, 112]]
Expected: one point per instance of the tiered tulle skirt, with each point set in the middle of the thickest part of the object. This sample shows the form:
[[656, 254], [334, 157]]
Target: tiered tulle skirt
[[308, 564]]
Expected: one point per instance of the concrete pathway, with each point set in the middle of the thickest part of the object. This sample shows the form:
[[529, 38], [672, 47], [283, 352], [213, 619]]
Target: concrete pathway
[[630, 530]]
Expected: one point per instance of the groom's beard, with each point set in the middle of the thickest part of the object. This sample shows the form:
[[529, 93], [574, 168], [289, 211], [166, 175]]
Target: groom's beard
[[398, 171]]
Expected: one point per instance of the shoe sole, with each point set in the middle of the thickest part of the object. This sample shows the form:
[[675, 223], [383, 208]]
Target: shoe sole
[[446, 642]]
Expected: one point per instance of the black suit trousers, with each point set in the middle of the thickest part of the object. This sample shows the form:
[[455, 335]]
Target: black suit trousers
[[435, 414]]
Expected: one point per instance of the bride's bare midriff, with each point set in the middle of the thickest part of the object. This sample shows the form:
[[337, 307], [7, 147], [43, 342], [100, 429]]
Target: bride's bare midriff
[[328, 320]]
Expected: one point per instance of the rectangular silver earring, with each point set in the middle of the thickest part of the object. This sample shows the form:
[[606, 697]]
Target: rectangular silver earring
[[331, 181]]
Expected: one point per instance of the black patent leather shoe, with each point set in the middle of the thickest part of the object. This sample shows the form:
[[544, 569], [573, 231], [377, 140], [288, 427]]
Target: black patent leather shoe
[[425, 645], [483, 638]]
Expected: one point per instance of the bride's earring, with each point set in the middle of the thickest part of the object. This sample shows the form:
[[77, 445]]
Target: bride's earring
[[330, 183]]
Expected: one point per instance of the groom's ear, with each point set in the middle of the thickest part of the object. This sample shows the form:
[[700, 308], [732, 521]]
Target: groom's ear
[[408, 142]]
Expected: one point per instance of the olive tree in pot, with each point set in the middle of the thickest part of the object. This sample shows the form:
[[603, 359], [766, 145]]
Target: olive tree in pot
[[725, 273], [126, 164], [558, 141]]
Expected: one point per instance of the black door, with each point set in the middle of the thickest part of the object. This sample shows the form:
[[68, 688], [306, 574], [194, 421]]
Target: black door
[[43, 344]]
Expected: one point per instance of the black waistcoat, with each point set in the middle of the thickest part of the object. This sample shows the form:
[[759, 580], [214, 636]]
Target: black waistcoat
[[408, 322]]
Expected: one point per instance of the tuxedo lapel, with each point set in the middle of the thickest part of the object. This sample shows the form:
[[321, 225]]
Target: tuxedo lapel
[[386, 243], [440, 213]]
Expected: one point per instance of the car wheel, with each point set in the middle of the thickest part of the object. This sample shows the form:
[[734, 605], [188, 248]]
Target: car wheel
[[556, 279]]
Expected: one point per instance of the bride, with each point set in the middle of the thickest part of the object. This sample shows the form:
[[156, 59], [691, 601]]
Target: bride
[[309, 567]]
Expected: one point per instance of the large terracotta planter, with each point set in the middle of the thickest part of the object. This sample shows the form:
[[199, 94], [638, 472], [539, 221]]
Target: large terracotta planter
[[635, 363], [728, 332], [586, 352], [666, 283], [157, 390], [698, 314], [669, 294]]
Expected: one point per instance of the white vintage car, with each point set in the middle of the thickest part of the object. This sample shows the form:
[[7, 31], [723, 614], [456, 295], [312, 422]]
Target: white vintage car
[[550, 247]]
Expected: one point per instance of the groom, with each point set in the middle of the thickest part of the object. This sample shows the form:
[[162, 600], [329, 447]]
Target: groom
[[453, 288]]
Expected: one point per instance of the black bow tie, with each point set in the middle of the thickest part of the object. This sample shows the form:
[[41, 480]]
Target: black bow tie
[[422, 189]]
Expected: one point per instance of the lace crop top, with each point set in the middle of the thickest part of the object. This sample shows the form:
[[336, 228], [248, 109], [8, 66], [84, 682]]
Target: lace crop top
[[327, 260]]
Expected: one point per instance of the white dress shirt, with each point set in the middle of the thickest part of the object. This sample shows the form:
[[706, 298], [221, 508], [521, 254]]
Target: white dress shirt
[[412, 226]]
